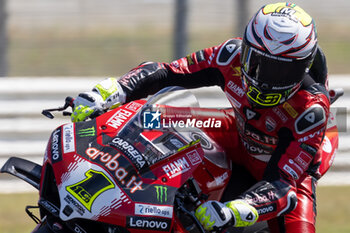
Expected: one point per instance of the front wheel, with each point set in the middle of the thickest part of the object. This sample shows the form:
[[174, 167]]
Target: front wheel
[[44, 227]]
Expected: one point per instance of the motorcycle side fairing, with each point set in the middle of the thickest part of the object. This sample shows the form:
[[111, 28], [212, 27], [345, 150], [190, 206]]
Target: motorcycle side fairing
[[110, 175], [101, 176]]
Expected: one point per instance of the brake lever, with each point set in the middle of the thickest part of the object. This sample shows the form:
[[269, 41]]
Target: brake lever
[[65, 113], [68, 103]]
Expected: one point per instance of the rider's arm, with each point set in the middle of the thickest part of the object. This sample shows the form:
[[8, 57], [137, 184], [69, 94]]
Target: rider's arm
[[198, 69], [192, 71], [151, 77], [296, 156]]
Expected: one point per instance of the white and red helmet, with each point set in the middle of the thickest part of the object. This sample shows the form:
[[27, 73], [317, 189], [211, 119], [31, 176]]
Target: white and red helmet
[[278, 48]]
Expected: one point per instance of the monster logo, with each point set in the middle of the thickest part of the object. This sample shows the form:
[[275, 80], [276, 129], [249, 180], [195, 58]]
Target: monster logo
[[88, 132], [162, 195]]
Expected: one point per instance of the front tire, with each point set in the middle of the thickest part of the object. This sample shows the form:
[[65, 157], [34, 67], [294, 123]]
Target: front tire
[[43, 228]]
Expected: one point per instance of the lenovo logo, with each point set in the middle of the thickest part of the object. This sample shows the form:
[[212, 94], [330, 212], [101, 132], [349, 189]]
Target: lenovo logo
[[147, 223]]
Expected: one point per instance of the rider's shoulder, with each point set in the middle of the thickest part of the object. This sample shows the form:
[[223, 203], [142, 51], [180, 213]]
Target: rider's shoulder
[[309, 96], [316, 89], [308, 111], [228, 50]]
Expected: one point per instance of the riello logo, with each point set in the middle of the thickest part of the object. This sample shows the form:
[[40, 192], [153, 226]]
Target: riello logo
[[153, 120]]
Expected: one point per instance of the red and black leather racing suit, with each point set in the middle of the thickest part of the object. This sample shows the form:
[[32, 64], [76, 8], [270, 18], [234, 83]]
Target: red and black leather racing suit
[[279, 145]]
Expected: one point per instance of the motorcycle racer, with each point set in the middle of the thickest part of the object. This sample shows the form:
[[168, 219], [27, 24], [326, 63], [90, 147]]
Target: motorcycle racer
[[275, 77]]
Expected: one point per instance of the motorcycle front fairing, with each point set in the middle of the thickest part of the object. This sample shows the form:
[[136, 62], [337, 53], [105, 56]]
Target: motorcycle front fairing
[[113, 171], [110, 174]]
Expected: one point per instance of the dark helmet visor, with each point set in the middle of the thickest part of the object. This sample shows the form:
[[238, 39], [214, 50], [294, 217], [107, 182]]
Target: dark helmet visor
[[271, 73]]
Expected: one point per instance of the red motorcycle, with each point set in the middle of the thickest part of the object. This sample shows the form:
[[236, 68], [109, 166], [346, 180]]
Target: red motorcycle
[[127, 171]]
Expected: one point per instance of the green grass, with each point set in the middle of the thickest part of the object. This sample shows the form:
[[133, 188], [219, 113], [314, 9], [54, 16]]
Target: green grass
[[13, 218], [333, 211]]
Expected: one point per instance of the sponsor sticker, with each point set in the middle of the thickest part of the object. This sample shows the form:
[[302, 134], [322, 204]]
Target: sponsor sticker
[[175, 64], [189, 60], [176, 167], [133, 106], [56, 146], [74, 204], [296, 166], [87, 132], [113, 162], [290, 171], [194, 157], [290, 110], [130, 151], [148, 223], [86, 193], [266, 209], [309, 149], [200, 56], [221, 179], [235, 88], [280, 114], [153, 210], [119, 118], [236, 71], [289, 10], [162, 193], [68, 138], [270, 124], [232, 100], [311, 135], [49, 206], [303, 160]]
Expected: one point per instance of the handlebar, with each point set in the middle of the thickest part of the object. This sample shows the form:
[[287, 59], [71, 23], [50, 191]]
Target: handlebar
[[69, 102], [334, 94]]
